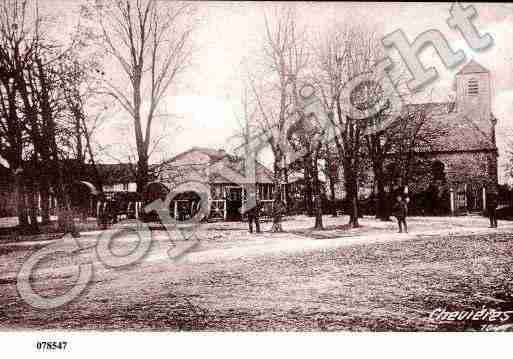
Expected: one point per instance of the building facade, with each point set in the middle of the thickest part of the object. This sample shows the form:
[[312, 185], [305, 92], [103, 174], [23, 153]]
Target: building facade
[[197, 168], [464, 153], [457, 161]]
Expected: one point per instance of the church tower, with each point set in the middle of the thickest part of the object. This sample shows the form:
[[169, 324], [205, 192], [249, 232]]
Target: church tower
[[473, 96]]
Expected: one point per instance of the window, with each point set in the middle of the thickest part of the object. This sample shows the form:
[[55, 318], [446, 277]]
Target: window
[[473, 87]]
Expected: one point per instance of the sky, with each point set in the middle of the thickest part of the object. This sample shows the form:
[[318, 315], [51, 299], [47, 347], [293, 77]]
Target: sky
[[207, 99]]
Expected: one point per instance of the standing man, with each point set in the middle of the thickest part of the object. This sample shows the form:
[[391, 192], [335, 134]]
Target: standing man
[[492, 201], [253, 215], [279, 209], [401, 212]]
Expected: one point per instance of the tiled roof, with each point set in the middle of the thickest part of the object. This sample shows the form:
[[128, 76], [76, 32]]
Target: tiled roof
[[117, 173], [262, 174], [472, 67], [212, 153], [198, 170], [448, 130]]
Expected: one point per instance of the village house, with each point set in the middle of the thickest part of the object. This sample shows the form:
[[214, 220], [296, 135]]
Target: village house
[[225, 196]]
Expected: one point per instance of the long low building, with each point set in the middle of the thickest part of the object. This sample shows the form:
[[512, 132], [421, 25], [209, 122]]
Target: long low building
[[217, 172]]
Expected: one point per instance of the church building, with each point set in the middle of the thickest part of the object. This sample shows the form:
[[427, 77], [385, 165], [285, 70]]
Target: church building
[[464, 148], [457, 158]]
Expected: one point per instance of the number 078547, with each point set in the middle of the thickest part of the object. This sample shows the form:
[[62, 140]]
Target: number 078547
[[51, 345]]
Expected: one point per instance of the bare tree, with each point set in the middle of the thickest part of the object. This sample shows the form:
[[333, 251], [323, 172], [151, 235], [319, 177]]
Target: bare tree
[[12, 125], [151, 42], [344, 53], [308, 133], [378, 149], [22, 54], [31, 59], [78, 86], [412, 134], [285, 59]]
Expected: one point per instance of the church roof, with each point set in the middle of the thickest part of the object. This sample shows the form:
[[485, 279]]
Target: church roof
[[443, 129], [472, 67]]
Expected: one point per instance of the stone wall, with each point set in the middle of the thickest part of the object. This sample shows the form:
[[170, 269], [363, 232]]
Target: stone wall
[[469, 167]]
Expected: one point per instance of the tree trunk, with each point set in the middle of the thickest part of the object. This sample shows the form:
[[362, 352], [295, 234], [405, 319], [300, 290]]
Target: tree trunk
[[332, 179], [317, 195], [98, 178], [277, 227], [355, 213], [45, 174], [21, 207], [286, 188], [34, 227], [352, 197], [78, 137], [333, 206], [142, 173], [382, 211], [44, 191], [308, 185]]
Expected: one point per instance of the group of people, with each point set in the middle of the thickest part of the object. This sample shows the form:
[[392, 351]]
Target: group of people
[[253, 216], [400, 210]]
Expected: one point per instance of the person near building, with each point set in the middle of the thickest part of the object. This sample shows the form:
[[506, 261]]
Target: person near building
[[401, 212], [492, 201], [279, 210], [253, 215]]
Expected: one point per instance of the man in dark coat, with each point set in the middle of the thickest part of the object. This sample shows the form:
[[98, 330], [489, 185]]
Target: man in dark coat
[[253, 216], [401, 212], [279, 210], [492, 201]]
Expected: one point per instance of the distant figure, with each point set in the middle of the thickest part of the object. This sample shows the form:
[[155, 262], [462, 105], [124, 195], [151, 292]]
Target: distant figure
[[492, 201], [253, 215], [279, 210], [67, 222], [107, 214], [401, 212], [112, 211]]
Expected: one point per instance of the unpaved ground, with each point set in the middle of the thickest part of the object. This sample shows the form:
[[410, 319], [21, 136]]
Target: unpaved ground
[[361, 279]]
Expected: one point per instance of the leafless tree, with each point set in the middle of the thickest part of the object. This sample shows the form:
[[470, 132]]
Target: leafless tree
[[151, 42], [84, 111], [12, 130], [285, 58], [411, 135], [342, 54], [308, 134], [30, 60]]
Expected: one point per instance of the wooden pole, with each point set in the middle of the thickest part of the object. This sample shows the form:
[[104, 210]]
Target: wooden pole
[[452, 200], [484, 198]]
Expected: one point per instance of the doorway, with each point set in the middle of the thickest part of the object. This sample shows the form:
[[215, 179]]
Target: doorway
[[233, 203], [185, 205]]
